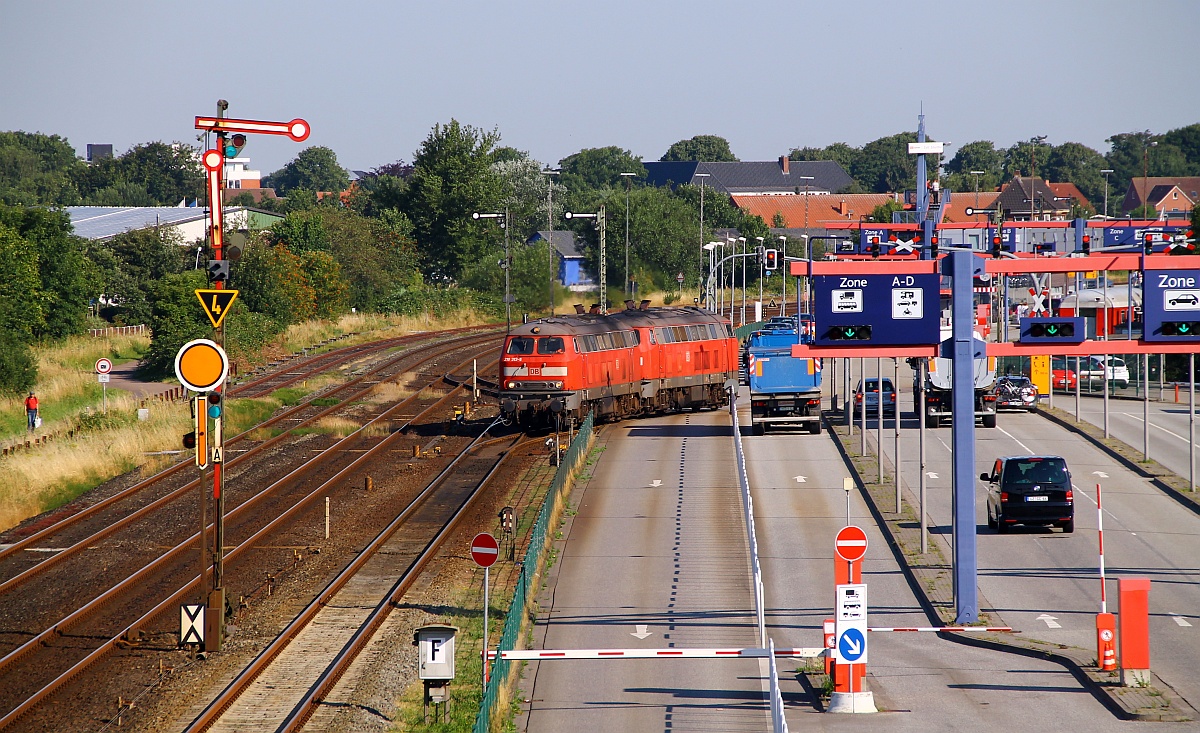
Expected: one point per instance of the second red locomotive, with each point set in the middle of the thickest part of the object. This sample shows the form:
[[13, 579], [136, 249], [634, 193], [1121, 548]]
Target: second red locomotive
[[632, 362]]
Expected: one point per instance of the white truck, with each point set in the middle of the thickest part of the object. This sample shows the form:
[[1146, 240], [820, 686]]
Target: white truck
[[939, 381]]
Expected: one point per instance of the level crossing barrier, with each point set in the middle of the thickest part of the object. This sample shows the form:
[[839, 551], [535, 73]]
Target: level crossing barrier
[[531, 566]]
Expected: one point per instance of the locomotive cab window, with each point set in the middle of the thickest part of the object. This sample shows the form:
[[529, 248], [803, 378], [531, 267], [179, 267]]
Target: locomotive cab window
[[520, 346], [551, 345]]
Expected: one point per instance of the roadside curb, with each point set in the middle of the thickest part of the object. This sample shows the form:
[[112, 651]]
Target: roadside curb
[[931, 579]]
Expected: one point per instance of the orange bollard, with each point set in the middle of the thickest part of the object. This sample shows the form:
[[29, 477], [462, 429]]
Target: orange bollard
[[1106, 641], [830, 638], [1134, 616]]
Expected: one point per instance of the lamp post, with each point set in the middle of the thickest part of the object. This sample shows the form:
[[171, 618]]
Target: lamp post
[[710, 294], [1146, 174], [806, 179], [701, 176], [601, 220], [1106, 172], [549, 173], [761, 256], [505, 264], [732, 280], [745, 249], [783, 304], [977, 174], [628, 186]]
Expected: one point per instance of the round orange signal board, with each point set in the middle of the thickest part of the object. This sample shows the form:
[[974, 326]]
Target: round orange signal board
[[201, 365]]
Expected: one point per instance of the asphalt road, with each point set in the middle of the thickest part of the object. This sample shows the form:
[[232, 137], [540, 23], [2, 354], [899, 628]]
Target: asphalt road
[[1046, 583], [672, 557]]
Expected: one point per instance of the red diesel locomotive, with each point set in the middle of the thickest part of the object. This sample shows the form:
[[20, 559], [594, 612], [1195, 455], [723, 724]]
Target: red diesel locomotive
[[625, 363]]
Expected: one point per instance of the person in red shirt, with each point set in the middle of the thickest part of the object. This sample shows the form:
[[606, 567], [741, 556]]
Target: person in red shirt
[[31, 409]]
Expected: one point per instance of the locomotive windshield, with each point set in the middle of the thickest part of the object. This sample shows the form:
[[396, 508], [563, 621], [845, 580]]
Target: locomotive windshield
[[520, 345], [551, 345]]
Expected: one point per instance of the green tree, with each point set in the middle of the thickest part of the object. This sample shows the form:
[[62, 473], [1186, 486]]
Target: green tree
[[152, 174], [21, 299], [18, 365], [452, 178], [323, 274], [1187, 141], [315, 168], [174, 319], [374, 255], [705, 148], [302, 232], [1027, 158], [882, 214], [37, 169], [1077, 163], [844, 155], [597, 168], [980, 155], [271, 281], [885, 164], [130, 263], [69, 279]]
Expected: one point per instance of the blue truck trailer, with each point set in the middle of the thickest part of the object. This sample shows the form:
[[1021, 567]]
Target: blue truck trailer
[[785, 391]]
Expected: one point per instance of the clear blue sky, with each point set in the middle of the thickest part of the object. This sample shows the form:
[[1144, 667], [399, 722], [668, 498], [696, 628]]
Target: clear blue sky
[[554, 77]]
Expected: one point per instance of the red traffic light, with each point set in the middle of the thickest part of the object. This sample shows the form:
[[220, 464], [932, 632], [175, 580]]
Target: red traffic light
[[933, 240]]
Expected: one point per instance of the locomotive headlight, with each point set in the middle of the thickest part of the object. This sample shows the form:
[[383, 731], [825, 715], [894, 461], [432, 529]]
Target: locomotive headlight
[[558, 385], [512, 385]]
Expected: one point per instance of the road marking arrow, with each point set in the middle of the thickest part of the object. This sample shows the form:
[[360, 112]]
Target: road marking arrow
[[1180, 620], [1101, 474], [641, 632], [931, 474], [801, 479], [656, 483], [1051, 622]]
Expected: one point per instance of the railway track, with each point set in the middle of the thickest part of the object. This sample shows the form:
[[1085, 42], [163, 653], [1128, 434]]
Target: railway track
[[88, 626]]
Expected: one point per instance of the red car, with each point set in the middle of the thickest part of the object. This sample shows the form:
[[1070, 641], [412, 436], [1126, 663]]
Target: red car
[[1061, 376]]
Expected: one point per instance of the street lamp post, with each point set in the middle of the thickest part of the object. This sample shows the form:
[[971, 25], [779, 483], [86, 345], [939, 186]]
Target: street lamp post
[[783, 304], [1146, 174], [1106, 172], [628, 186], [710, 295], [745, 249], [601, 221], [761, 257], [702, 176], [549, 173], [977, 174], [505, 264]]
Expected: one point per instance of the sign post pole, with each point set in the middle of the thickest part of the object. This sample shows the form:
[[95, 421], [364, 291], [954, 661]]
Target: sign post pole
[[484, 551]]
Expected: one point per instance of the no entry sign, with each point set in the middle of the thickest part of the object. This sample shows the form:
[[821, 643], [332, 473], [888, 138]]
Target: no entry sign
[[851, 543], [484, 550]]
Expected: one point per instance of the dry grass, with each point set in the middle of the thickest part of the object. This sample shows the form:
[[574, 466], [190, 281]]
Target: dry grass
[[35, 481], [389, 392], [371, 326], [338, 426]]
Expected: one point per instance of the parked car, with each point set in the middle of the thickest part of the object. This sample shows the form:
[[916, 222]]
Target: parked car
[[872, 397], [1015, 392], [1099, 368], [1061, 376], [1030, 490]]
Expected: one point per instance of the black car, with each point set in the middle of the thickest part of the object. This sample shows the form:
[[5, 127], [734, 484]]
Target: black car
[[1030, 490], [1016, 392]]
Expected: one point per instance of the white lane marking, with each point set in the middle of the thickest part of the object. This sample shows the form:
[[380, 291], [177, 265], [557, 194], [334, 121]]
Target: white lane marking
[[1051, 622], [641, 632], [1017, 440], [1180, 620], [656, 483], [1168, 432], [801, 479], [1101, 474], [931, 474]]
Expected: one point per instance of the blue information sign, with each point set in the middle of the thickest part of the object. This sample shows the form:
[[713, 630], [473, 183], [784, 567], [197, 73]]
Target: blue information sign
[[877, 310], [1171, 305], [852, 644]]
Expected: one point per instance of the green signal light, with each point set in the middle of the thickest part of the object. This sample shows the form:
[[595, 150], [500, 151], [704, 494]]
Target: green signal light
[[849, 333], [1181, 328]]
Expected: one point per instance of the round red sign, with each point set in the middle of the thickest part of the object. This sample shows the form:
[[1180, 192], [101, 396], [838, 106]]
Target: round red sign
[[484, 550], [103, 366], [851, 543]]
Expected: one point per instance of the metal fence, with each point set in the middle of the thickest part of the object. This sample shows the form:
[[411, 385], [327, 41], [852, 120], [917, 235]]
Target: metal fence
[[531, 567]]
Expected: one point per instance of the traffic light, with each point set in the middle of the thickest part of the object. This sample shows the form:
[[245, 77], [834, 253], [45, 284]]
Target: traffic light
[[214, 405], [1148, 243], [189, 440], [771, 259], [1053, 330], [933, 247], [996, 247], [849, 333], [874, 248], [1086, 244], [1181, 328], [234, 144], [218, 271]]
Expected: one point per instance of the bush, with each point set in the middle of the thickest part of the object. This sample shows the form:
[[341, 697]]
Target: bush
[[438, 302], [18, 367]]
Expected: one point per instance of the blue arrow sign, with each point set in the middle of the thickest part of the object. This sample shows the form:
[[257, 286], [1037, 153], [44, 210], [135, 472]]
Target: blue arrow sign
[[852, 644]]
